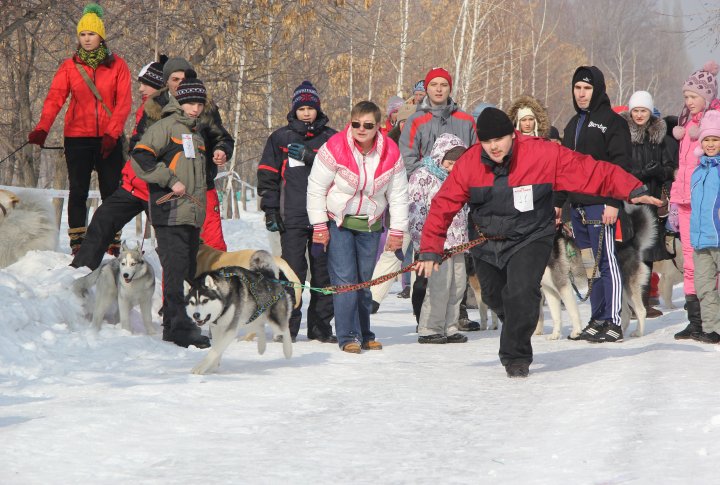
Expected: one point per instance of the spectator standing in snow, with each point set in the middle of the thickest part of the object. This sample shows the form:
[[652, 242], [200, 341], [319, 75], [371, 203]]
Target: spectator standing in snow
[[283, 172], [652, 163], [435, 115], [705, 227], [508, 182], [418, 92], [598, 131], [388, 262], [529, 116], [356, 175], [171, 168], [700, 93], [98, 83], [445, 288], [394, 104]]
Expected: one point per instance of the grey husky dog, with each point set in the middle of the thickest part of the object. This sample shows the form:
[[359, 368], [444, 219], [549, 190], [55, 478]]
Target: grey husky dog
[[127, 280], [566, 262], [232, 297]]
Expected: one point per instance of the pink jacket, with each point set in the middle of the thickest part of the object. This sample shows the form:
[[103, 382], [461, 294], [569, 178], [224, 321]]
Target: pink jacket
[[680, 191], [342, 177]]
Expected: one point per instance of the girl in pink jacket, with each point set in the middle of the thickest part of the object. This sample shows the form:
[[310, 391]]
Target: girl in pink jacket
[[700, 93]]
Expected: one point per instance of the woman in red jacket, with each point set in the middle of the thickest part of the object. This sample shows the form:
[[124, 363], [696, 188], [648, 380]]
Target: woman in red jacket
[[99, 84]]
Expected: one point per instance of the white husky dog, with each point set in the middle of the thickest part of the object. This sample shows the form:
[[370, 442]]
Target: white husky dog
[[127, 280], [27, 222]]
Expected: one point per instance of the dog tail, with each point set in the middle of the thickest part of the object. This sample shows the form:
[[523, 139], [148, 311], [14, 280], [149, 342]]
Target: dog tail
[[644, 226], [291, 277], [81, 285], [263, 262]]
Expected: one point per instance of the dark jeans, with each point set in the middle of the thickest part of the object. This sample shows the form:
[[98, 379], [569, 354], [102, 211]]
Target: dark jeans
[[109, 218], [351, 260], [82, 156], [606, 295], [177, 249], [296, 242], [513, 293]]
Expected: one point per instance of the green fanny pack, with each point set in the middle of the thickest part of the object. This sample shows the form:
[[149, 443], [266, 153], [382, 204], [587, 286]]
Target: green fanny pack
[[360, 224]]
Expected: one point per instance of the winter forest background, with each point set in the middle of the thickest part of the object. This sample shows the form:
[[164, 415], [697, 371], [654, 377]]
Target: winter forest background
[[253, 53]]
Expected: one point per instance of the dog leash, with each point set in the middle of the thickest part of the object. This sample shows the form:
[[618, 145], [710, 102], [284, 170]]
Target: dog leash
[[24, 145], [172, 196], [596, 265], [447, 254]]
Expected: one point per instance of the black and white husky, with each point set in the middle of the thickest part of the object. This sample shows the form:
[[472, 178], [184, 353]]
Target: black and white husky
[[127, 281], [233, 297], [566, 261]]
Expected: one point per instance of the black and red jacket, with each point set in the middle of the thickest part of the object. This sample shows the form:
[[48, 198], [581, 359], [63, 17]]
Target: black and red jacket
[[488, 187], [283, 187]]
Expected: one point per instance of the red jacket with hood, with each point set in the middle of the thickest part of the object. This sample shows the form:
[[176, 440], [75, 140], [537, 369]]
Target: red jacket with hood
[[85, 116]]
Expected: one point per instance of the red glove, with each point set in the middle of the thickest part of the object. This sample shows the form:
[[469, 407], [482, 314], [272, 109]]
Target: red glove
[[321, 235], [37, 137], [108, 145], [394, 240]]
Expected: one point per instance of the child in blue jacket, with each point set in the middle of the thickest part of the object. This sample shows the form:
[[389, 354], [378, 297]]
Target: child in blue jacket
[[705, 227]]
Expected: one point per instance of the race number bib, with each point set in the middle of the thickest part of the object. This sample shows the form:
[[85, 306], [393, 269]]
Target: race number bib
[[295, 163], [188, 146], [523, 198]]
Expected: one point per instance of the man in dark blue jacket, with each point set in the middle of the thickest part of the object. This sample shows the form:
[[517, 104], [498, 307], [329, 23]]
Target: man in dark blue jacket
[[282, 183], [598, 131]]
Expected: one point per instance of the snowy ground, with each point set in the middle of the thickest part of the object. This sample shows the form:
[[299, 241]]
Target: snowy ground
[[114, 408]]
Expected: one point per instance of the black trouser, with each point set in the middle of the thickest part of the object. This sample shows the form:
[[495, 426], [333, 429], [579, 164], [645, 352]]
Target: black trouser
[[177, 249], [112, 215], [295, 242], [82, 156], [513, 293]]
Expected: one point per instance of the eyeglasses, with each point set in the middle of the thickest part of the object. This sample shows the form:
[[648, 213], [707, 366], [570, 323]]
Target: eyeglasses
[[367, 125]]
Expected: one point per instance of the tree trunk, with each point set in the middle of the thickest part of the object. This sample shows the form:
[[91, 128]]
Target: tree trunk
[[372, 52], [403, 46]]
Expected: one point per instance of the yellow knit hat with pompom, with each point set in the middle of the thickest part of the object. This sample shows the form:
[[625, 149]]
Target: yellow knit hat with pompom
[[92, 20]]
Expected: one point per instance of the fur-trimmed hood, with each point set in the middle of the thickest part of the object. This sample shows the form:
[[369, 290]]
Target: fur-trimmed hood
[[541, 115], [656, 129]]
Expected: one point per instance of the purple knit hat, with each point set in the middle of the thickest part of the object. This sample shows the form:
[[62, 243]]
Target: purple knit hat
[[702, 82]]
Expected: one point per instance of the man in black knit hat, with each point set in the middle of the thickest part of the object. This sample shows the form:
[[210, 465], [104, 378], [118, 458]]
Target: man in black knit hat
[[508, 182]]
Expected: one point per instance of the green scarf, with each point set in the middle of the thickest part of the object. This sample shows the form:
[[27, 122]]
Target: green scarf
[[95, 57]]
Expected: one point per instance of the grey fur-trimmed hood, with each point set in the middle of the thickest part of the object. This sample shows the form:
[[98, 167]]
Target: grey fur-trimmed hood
[[656, 129]]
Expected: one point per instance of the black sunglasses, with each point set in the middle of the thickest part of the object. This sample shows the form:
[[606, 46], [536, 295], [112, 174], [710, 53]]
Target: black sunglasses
[[367, 125]]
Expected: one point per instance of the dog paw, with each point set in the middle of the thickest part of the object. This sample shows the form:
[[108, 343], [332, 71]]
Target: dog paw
[[574, 334], [636, 333], [553, 336], [538, 331]]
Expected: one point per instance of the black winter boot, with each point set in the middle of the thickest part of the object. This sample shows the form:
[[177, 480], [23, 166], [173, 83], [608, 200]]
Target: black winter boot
[[692, 305]]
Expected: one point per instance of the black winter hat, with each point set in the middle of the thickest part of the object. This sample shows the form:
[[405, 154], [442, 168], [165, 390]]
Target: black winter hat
[[493, 123], [152, 74], [191, 89], [585, 75]]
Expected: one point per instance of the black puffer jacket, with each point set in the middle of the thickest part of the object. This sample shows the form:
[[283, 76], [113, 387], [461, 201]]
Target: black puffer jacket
[[283, 185], [600, 133]]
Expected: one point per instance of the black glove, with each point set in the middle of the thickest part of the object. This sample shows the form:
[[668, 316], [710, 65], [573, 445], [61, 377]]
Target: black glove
[[652, 170], [298, 151], [273, 222]]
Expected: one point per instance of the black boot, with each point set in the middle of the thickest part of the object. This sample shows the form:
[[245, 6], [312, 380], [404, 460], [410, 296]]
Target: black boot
[[692, 305], [650, 312]]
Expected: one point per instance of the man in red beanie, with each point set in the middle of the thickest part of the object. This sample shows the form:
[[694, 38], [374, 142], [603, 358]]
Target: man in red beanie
[[436, 114]]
